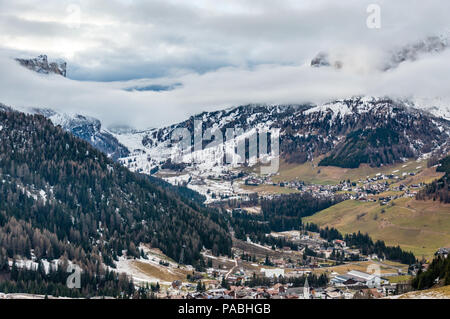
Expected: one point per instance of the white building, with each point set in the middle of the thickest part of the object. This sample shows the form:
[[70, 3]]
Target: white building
[[369, 280], [270, 273]]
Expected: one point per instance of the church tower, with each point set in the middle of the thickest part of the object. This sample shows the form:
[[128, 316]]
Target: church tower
[[306, 294]]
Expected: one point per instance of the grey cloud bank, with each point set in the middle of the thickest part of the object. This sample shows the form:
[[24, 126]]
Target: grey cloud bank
[[222, 54], [225, 87], [123, 40]]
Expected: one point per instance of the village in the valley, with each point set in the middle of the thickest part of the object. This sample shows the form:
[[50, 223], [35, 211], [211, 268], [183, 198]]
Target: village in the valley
[[317, 270], [362, 189], [306, 267]]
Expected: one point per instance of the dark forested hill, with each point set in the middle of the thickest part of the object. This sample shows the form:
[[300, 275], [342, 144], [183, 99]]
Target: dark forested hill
[[60, 196], [437, 273], [439, 189], [285, 212]]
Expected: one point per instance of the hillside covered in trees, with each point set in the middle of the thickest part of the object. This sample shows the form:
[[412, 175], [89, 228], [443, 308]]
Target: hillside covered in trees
[[60, 197], [365, 243], [437, 273], [372, 146], [368, 246], [285, 212], [439, 189]]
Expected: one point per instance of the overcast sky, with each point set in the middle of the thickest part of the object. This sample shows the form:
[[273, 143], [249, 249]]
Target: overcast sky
[[218, 53]]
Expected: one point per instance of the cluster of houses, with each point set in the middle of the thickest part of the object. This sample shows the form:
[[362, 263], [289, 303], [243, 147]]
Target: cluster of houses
[[361, 190], [355, 284], [277, 291], [443, 252]]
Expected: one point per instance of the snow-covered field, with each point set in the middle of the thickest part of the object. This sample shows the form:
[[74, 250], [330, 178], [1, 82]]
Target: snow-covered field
[[154, 257], [434, 293]]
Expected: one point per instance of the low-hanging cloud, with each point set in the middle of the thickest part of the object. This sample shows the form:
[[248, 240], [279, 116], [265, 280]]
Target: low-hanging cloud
[[110, 40], [230, 86], [218, 55]]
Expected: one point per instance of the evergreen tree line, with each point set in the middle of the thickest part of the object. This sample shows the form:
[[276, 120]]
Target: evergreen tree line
[[254, 227], [437, 273], [314, 281], [54, 282], [439, 189], [59, 196], [286, 211], [377, 146], [185, 193], [365, 244]]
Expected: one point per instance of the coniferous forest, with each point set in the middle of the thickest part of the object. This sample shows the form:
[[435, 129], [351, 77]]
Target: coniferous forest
[[439, 270], [439, 189], [286, 211], [60, 197], [368, 246]]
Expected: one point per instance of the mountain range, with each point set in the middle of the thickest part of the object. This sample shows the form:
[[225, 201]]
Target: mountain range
[[358, 130], [74, 191], [344, 133]]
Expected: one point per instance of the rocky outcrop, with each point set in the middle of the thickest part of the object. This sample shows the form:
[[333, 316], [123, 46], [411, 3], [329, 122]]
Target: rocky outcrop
[[41, 65], [413, 51], [322, 59]]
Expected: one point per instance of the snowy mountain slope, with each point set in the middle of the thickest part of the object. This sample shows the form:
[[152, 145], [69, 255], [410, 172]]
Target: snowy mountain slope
[[85, 127], [151, 149], [88, 129], [376, 131], [435, 106], [4, 107]]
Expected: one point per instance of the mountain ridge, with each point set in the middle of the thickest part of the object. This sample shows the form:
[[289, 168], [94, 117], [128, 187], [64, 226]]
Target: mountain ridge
[[322, 126]]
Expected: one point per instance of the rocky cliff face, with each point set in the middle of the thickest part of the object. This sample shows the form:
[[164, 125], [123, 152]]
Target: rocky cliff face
[[41, 65]]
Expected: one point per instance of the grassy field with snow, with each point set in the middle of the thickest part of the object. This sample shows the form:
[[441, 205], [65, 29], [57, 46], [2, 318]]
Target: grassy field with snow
[[310, 172], [433, 293], [418, 226]]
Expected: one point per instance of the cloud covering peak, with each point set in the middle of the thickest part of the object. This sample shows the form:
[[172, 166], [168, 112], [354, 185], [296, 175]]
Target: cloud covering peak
[[213, 55]]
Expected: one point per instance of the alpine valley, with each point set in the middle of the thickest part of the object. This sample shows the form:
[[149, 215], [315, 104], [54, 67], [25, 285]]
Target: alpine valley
[[361, 182]]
